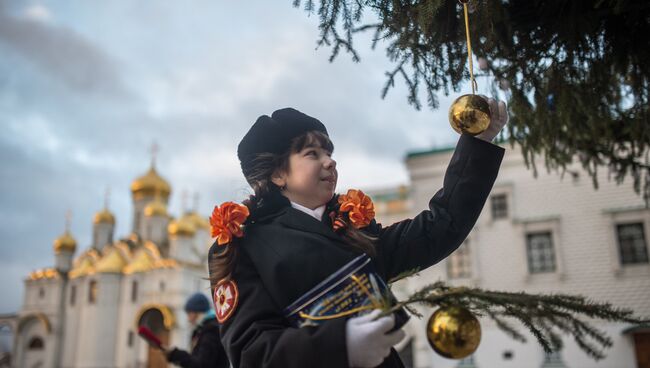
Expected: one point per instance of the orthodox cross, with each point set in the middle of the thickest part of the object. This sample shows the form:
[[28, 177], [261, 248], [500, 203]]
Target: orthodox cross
[[196, 202], [107, 195], [184, 198], [68, 220], [154, 153]]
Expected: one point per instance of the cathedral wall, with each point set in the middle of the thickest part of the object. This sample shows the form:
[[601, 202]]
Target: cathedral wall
[[127, 340], [34, 345], [42, 296], [203, 242], [97, 330], [102, 235], [156, 230], [184, 249], [73, 306], [138, 214]]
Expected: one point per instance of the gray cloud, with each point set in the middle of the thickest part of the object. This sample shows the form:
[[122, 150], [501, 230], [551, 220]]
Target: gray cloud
[[193, 79], [63, 55]]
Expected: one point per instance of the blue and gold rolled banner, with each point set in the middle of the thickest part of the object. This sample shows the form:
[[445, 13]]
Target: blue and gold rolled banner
[[353, 290]]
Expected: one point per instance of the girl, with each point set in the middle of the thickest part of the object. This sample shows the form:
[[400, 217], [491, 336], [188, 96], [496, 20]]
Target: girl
[[293, 239]]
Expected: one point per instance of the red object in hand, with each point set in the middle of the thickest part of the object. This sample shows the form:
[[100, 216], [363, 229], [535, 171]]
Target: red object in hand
[[149, 336]]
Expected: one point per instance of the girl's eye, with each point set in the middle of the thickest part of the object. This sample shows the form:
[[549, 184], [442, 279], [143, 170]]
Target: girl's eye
[[312, 153]]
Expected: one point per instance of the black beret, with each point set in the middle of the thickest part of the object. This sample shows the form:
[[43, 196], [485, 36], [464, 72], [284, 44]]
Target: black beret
[[274, 134]]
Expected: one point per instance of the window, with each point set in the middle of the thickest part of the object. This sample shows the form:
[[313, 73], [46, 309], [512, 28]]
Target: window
[[499, 206], [36, 343], [41, 292], [632, 246], [129, 339], [92, 292], [459, 264], [162, 286], [136, 222], [134, 291], [539, 249], [73, 294]]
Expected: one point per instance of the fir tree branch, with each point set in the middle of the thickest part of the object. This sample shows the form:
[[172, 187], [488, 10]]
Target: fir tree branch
[[543, 315]]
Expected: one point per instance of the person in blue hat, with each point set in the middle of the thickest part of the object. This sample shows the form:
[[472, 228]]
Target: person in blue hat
[[207, 350]]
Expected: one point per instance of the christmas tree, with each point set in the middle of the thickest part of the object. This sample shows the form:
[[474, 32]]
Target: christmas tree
[[576, 73]]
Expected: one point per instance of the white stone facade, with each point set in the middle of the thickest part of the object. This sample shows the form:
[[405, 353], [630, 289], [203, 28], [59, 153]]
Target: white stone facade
[[582, 222]]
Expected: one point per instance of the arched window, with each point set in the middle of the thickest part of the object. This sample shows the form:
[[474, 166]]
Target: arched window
[[134, 291], [36, 343], [73, 294]]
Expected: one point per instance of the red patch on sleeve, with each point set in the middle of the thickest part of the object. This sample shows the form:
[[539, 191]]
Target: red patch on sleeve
[[226, 296]]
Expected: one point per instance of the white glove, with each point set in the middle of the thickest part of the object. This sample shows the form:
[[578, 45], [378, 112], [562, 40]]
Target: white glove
[[499, 115], [366, 339]]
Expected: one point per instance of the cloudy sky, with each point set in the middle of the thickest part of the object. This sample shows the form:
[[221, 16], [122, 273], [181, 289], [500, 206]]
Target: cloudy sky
[[87, 87]]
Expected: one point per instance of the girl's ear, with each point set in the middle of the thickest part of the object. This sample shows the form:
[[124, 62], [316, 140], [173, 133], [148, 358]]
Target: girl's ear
[[279, 178]]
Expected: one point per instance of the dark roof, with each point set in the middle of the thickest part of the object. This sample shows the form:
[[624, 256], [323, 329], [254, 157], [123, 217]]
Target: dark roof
[[437, 150], [432, 151]]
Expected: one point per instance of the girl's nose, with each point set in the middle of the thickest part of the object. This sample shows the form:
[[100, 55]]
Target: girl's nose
[[330, 163]]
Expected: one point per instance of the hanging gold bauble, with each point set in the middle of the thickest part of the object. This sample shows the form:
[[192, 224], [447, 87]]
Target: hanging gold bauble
[[469, 114], [453, 332]]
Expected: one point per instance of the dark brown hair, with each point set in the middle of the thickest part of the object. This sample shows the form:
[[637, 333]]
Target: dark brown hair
[[259, 177]]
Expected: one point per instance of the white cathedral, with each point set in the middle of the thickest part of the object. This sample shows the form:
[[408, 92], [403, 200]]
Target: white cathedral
[[85, 311]]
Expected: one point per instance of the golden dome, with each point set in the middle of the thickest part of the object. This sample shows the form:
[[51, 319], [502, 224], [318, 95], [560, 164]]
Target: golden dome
[[65, 242], [150, 184], [104, 216], [115, 258], [143, 261], [182, 227], [155, 208], [84, 265], [148, 258], [199, 221]]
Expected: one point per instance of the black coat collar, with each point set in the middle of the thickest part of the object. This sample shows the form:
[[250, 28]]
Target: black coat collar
[[275, 204], [299, 220]]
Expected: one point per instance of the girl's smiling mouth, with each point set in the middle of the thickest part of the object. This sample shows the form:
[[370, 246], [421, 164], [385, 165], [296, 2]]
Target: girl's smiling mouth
[[330, 178]]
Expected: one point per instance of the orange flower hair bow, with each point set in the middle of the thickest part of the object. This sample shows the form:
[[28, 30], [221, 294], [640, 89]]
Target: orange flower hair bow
[[227, 220], [359, 207]]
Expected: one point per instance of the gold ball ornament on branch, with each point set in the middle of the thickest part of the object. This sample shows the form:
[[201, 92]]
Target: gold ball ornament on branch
[[453, 332]]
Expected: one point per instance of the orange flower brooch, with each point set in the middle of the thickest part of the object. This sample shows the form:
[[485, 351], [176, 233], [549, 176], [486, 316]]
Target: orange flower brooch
[[227, 220], [357, 207]]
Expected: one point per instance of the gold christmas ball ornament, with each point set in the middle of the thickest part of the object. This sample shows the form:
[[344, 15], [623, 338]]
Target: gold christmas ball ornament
[[469, 114], [453, 332]]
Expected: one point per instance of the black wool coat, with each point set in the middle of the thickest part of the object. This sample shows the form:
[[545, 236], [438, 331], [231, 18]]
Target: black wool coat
[[286, 252], [207, 351]]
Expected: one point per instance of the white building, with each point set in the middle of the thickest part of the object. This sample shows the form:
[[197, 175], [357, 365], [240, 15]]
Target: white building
[[538, 235], [85, 311]]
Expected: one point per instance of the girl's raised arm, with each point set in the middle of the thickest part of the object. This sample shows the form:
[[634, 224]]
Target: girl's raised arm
[[453, 210]]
